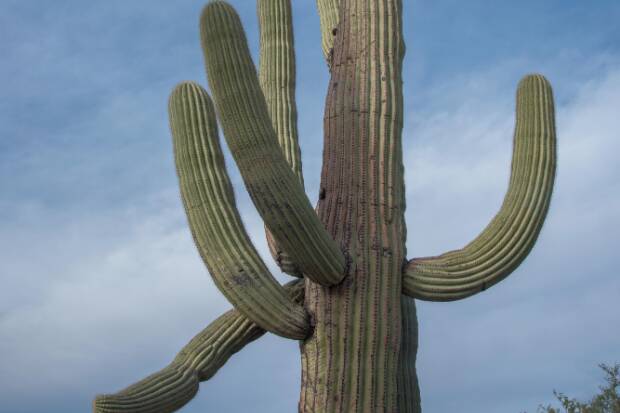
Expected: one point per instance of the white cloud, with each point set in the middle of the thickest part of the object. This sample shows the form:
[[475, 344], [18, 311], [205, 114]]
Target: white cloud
[[105, 299], [107, 303]]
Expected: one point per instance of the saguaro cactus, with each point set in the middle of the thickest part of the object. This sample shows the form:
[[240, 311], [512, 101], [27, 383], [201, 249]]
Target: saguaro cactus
[[352, 307]]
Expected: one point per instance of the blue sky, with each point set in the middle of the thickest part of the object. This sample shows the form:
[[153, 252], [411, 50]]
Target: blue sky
[[100, 282]]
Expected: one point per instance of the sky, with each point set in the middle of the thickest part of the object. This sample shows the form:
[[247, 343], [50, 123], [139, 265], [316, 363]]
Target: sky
[[100, 283]]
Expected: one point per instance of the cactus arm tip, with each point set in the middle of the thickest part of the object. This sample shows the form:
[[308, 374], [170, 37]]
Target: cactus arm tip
[[510, 236], [174, 386]]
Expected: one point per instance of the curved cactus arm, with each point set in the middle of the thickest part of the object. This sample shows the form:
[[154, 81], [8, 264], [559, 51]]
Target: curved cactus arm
[[277, 79], [329, 15], [174, 386], [216, 226], [272, 185], [510, 236]]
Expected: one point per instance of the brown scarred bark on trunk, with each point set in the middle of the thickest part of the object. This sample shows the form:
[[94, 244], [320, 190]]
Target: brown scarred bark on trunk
[[350, 362]]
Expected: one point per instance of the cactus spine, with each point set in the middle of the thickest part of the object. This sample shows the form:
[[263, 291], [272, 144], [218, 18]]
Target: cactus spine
[[353, 309]]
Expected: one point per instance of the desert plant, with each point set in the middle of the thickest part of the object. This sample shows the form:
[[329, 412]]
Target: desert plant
[[607, 401], [352, 306]]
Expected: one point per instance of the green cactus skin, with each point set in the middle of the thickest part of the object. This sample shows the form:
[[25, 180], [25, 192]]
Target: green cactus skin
[[357, 327], [407, 378], [277, 79], [174, 386], [510, 236], [275, 19], [218, 232]]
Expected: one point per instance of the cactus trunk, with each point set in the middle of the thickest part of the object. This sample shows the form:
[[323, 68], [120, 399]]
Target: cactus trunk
[[350, 362]]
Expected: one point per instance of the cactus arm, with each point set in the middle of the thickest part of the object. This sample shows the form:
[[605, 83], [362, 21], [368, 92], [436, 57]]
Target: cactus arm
[[329, 15], [277, 75], [174, 386], [272, 185], [277, 79], [510, 236], [216, 226]]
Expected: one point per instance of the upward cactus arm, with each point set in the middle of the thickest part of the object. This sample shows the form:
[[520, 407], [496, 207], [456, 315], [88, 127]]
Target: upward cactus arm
[[209, 201], [277, 79], [274, 188], [507, 240], [277, 57], [277, 75], [174, 386]]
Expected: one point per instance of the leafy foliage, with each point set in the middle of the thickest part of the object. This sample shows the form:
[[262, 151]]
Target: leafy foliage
[[607, 401]]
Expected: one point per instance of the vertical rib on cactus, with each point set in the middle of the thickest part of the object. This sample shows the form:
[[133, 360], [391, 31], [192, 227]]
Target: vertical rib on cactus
[[216, 226], [350, 363], [277, 75], [408, 388], [272, 185], [171, 388], [277, 79], [329, 15], [510, 236], [407, 380]]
